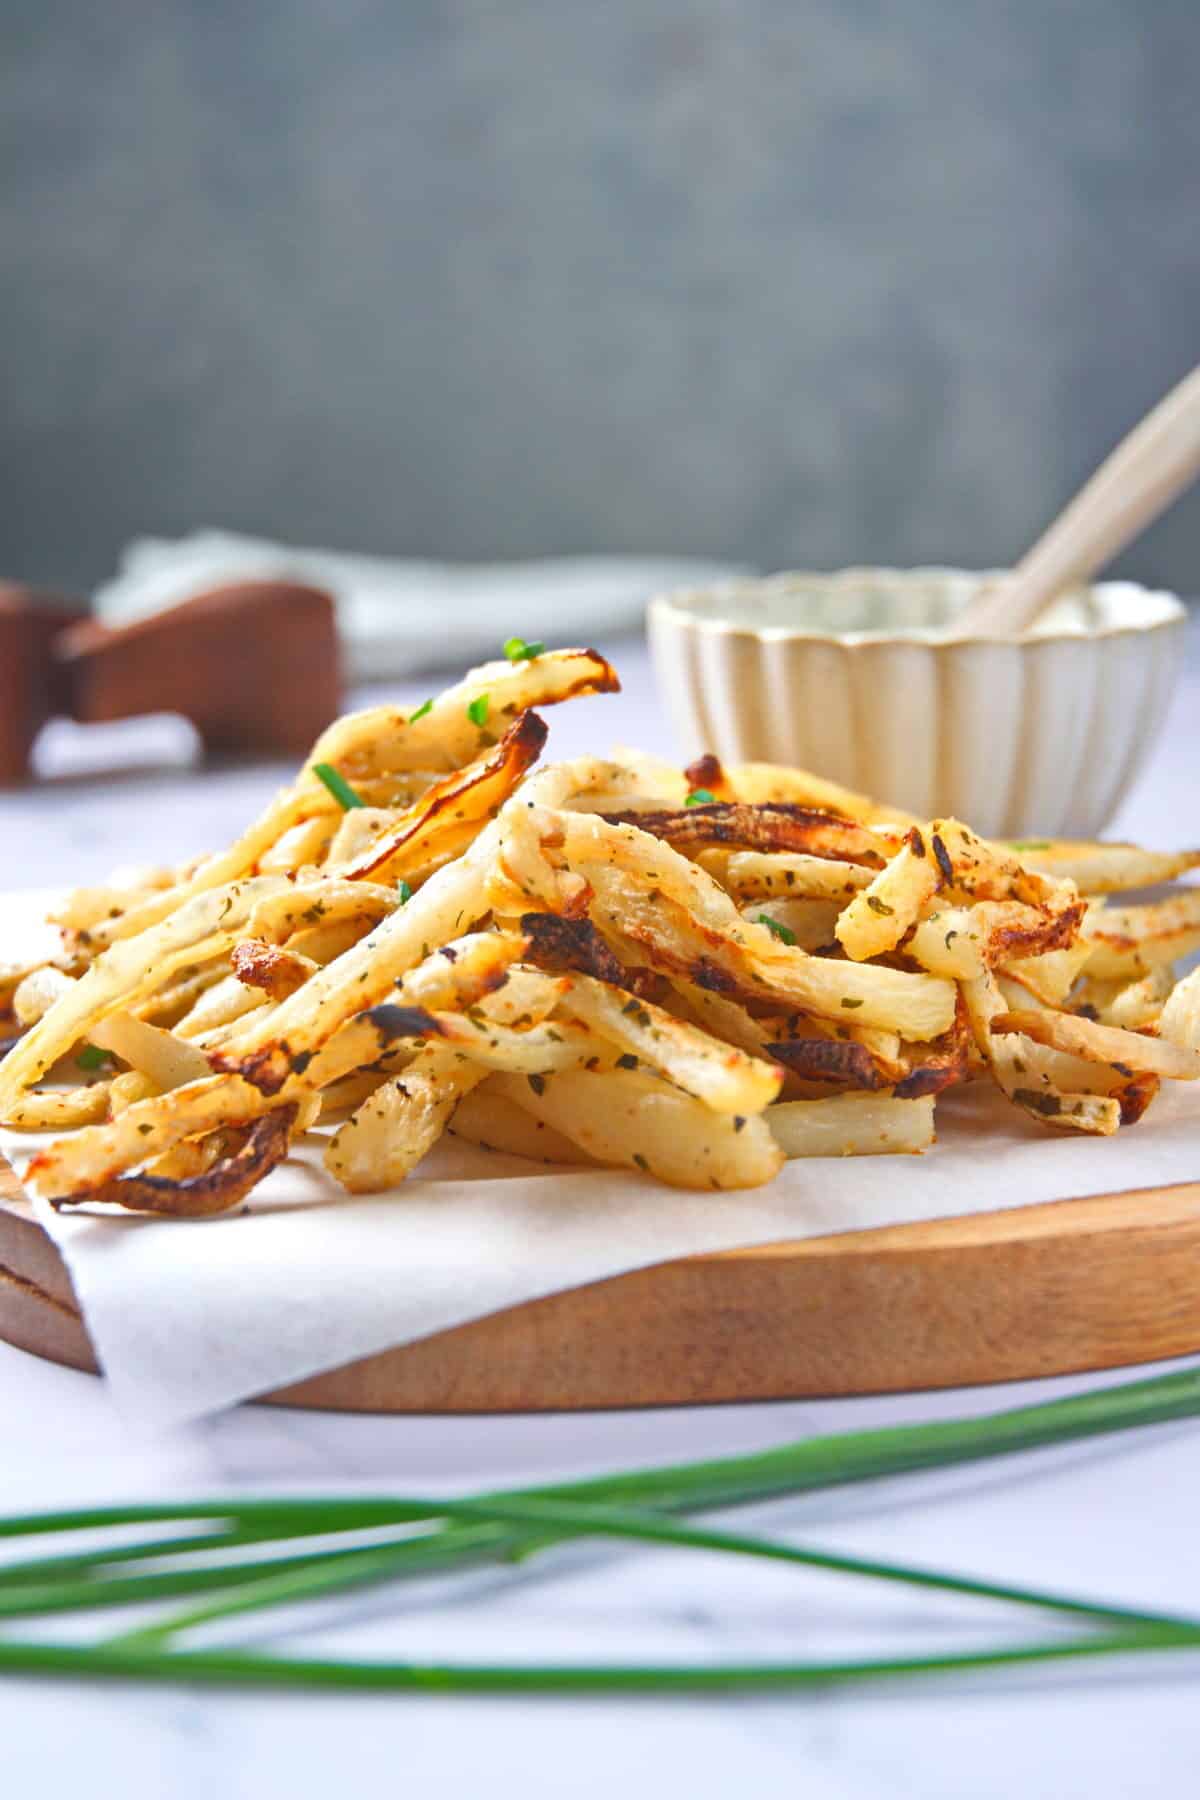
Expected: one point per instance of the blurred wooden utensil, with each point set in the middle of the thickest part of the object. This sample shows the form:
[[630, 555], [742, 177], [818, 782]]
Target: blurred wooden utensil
[[1147, 470], [253, 665]]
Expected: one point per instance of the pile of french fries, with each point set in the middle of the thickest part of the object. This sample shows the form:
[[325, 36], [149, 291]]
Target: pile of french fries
[[693, 973]]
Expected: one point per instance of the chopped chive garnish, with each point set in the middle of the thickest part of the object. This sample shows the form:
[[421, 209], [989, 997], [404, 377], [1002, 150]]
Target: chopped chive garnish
[[91, 1056], [784, 933], [477, 712], [517, 650], [405, 893], [700, 797], [1030, 844], [338, 786], [427, 706]]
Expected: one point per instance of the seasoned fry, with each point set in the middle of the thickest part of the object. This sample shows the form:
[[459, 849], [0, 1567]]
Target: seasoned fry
[[248, 1156], [763, 784], [127, 971], [168, 1061], [1104, 868], [689, 973], [1128, 1052], [404, 1117], [1137, 1004], [759, 875], [384, 740], [607, 855], [875, 921], [637, 1122], [1033, 1091], [453, 807], [726, 1079], [276, 972], [1130, 941], [852, 1125], [486, 1118], [765, 828]]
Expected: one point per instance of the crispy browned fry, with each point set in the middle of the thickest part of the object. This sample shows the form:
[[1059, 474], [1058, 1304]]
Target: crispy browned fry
[[1130, 941], [768, 783], [557, 942], [1033, 1090], [689, 927], [849, 1064], [779, 827], [459, 803], [127, 972], [959, 942], [384, 740], [144, 1131], [276, 972], [707, 775], [252, 1152], [1128, 1052]]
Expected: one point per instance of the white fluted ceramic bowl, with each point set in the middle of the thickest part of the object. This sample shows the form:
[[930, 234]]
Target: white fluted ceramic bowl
[[859, 677]]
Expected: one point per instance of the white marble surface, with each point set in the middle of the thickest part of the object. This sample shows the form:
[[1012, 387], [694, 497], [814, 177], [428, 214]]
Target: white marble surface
[[1115, 1519]]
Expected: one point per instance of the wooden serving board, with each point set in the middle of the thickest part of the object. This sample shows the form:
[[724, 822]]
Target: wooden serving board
[[1043, 1290]]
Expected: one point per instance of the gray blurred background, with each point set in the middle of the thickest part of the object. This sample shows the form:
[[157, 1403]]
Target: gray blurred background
[[793, 283]]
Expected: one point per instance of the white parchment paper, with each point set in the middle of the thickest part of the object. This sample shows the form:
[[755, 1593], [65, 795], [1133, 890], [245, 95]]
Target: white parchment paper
[[189, 1317]]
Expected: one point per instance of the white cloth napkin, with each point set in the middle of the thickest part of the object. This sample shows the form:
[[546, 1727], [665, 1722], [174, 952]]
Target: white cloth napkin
[[398, 616], [190, 1317]]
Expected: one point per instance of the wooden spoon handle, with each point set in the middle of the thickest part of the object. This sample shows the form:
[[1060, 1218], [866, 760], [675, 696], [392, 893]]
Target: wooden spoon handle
[[1146, 471]]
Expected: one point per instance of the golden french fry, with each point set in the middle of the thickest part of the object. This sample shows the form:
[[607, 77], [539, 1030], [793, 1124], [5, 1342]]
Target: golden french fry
[[384, 739], [382, 1143], [168, 1061], [1104, 868], [1030, 1089], [852, 1125], [1126, 1051], [636, 1121], [128, 971], [760, 875], [877, 919], [726, 1079], [484, 1117]]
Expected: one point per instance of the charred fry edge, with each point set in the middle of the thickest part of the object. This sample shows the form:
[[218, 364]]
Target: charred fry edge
[[262, 1145]]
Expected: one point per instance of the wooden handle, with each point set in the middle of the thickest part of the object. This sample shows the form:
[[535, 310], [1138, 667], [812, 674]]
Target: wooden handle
[[29, 686], [1146, 471], [254, 666]]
